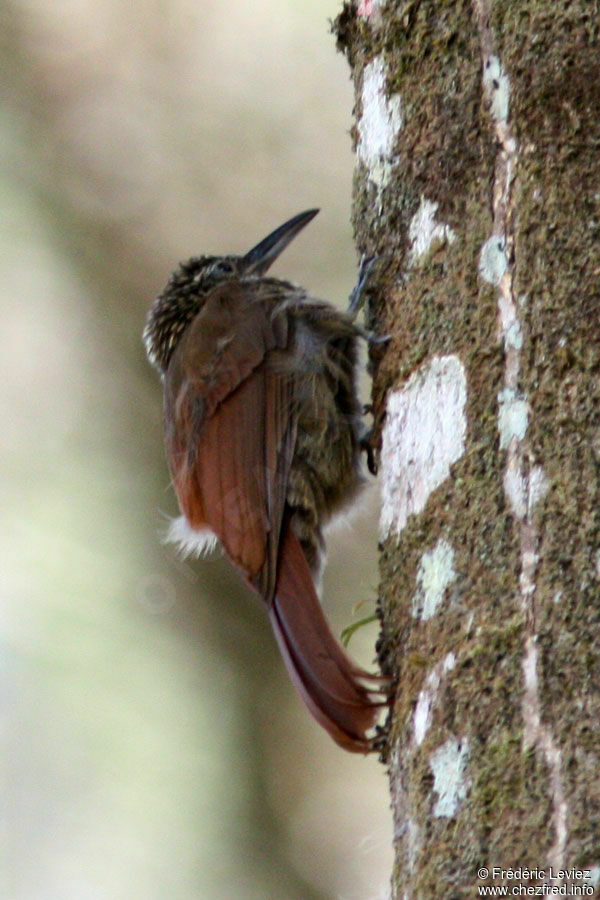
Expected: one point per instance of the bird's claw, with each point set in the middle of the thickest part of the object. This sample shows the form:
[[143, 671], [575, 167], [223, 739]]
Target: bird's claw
[[366, 445], [358, 293]]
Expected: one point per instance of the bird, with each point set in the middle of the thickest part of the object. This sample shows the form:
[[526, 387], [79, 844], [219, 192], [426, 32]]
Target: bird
[[263, 435]]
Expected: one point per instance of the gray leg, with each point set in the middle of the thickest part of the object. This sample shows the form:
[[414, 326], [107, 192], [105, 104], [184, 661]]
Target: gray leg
[[358, 295]]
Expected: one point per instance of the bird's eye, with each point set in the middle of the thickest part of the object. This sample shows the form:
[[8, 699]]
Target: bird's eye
[[225, 268]]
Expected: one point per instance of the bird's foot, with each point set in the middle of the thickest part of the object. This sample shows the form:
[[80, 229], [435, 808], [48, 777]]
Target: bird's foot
[[359, 291], [366, 445]]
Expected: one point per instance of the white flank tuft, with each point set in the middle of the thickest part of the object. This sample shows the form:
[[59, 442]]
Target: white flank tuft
[[189, 541]]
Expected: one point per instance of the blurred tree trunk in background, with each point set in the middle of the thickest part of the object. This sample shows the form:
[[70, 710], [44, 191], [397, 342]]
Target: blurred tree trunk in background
[[477, 137]]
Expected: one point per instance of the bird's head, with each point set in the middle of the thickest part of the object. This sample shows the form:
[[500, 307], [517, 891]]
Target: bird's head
[[192, 281]]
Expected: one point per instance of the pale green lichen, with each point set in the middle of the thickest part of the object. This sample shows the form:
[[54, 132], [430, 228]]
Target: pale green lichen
[[492, 260], [513, 416], [435, 573], [448, 764]]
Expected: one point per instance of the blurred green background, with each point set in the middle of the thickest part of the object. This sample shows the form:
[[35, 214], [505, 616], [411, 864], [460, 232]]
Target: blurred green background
[[152, 745]]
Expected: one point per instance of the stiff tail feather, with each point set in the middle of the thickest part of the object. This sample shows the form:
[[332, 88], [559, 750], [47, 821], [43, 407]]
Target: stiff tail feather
[[331, 685]]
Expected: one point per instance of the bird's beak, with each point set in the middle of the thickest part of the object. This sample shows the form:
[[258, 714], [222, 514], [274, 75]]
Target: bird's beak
[[258, 260]]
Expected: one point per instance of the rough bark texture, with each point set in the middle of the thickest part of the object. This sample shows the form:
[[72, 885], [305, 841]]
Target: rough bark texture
[[478, 178]]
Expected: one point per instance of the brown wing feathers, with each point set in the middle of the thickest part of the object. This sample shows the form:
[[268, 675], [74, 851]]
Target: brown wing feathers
[[231, 427]]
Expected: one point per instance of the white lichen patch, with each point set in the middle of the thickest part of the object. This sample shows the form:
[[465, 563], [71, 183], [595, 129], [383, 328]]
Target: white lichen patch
[[497, 85], [424, 433], [539, 486], [594, 875], [421, 716], [424, 231], [435, 573], [449, 764], [428, 696], [510, 327], [513, 416], [524, 492], [413, 843], [513, 336], [379, 124], [493, 261], [514, 488]]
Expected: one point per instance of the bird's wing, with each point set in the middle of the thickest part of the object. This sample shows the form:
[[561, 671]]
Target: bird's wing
[[230, 427]]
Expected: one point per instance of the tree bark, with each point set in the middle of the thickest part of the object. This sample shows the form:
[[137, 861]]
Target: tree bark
[[477, 181]]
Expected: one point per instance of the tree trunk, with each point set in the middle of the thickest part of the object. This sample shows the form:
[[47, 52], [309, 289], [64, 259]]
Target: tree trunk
[[478, 181]]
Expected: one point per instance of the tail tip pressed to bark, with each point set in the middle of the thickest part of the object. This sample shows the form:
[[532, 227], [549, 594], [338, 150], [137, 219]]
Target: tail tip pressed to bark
[[345, 699], [334, 690]]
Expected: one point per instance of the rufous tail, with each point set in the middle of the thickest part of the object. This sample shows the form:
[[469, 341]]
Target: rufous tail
[[331, 685]]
